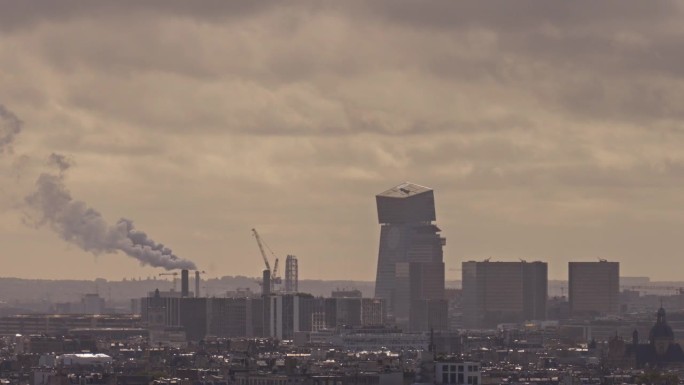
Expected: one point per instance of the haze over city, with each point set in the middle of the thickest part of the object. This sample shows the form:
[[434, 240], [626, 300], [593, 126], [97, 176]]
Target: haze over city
[[548, 132]]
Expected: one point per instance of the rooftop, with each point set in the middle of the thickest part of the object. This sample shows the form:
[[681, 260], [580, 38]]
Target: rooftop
[[404, 190]]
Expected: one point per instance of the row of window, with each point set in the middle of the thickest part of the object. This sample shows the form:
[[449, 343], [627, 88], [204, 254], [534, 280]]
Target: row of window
[[452, 368], [451, 378]]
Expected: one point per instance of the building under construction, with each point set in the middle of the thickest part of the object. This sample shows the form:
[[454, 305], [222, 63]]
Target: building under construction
[[271, 279], [291, 274]]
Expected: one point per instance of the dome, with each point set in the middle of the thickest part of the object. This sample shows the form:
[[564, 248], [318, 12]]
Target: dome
[[661, 330]]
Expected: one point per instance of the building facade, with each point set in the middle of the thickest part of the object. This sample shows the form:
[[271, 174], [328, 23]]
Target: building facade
[[460, 373], [503, 292], [594, 288], [288, 314], [410, 258]]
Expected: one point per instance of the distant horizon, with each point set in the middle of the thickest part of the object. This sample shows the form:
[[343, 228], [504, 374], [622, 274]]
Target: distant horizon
[[156, 278]]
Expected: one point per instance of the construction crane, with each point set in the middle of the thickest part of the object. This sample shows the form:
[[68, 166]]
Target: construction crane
[[175, 275], [262, 244], [261, 248], [274, 275]]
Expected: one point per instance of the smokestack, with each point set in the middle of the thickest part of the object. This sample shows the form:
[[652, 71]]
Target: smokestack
[[197, 283], [266, 283], [185, 284]]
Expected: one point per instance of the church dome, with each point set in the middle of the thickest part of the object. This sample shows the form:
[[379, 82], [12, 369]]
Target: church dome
[[661, 330]]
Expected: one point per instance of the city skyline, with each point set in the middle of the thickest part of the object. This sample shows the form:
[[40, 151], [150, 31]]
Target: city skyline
[[226, 117]]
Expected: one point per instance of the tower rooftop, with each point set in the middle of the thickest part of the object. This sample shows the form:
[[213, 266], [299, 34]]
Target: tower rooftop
[[406, 203], [404, 190]]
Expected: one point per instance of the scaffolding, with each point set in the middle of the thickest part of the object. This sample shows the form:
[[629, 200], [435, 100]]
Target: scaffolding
[[291, 274]]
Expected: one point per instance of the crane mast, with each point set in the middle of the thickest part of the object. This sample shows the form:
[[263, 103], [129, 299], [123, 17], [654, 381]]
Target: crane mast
[[274, 273], [275, 279]]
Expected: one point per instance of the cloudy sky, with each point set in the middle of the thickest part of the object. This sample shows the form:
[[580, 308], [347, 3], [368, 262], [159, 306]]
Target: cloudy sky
[[549, 131]]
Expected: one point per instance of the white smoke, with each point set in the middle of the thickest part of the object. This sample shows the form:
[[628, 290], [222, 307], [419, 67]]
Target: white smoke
[[74, 221], [85, 227]]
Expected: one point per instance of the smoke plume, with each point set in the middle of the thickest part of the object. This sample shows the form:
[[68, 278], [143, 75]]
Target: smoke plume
[[76, 222], [10, 126], [85, 227]]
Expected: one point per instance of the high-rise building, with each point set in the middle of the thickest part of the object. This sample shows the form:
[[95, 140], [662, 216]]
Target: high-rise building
[[291, 274], [594, 288], [410, 258], [287, 314], [503, 292], [236, 317]]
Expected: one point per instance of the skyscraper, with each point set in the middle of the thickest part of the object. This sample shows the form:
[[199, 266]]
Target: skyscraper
[[594, 287], [410, 259], [503, 292]]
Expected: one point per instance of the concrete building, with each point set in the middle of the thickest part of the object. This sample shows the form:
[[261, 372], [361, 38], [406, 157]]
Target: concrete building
[[287, 314], [460, 373], [93, 304], [373, 312], [410, 258], [503, 292], [236, 317], [61, 324], [594, 288]]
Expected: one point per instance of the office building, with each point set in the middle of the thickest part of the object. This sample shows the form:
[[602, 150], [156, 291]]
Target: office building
[[93, 304], [236, 317], [410, 258], [594, 288], [62, 324], [503, 292], [373, 312], [287, 314], [458, 372]]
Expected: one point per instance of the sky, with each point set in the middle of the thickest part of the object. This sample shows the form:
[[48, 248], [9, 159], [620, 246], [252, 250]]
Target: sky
[[549, 131]]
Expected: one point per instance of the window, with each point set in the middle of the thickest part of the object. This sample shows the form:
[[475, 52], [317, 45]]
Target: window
[[452, 378], [453, 368], [460, 368], [474, 380], [475, 368], [460, 378], [470, 379], [445, 378]]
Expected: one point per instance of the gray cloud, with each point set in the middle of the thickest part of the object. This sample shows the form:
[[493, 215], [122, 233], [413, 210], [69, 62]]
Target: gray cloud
[[528, 118], [10, 126]]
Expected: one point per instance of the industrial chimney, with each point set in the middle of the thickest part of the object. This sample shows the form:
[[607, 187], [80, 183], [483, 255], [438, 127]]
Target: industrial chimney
[[185, 283], [197, 283], [266, 283]]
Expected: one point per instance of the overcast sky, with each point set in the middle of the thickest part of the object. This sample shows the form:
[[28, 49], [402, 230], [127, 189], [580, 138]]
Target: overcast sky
[[549, 131]]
